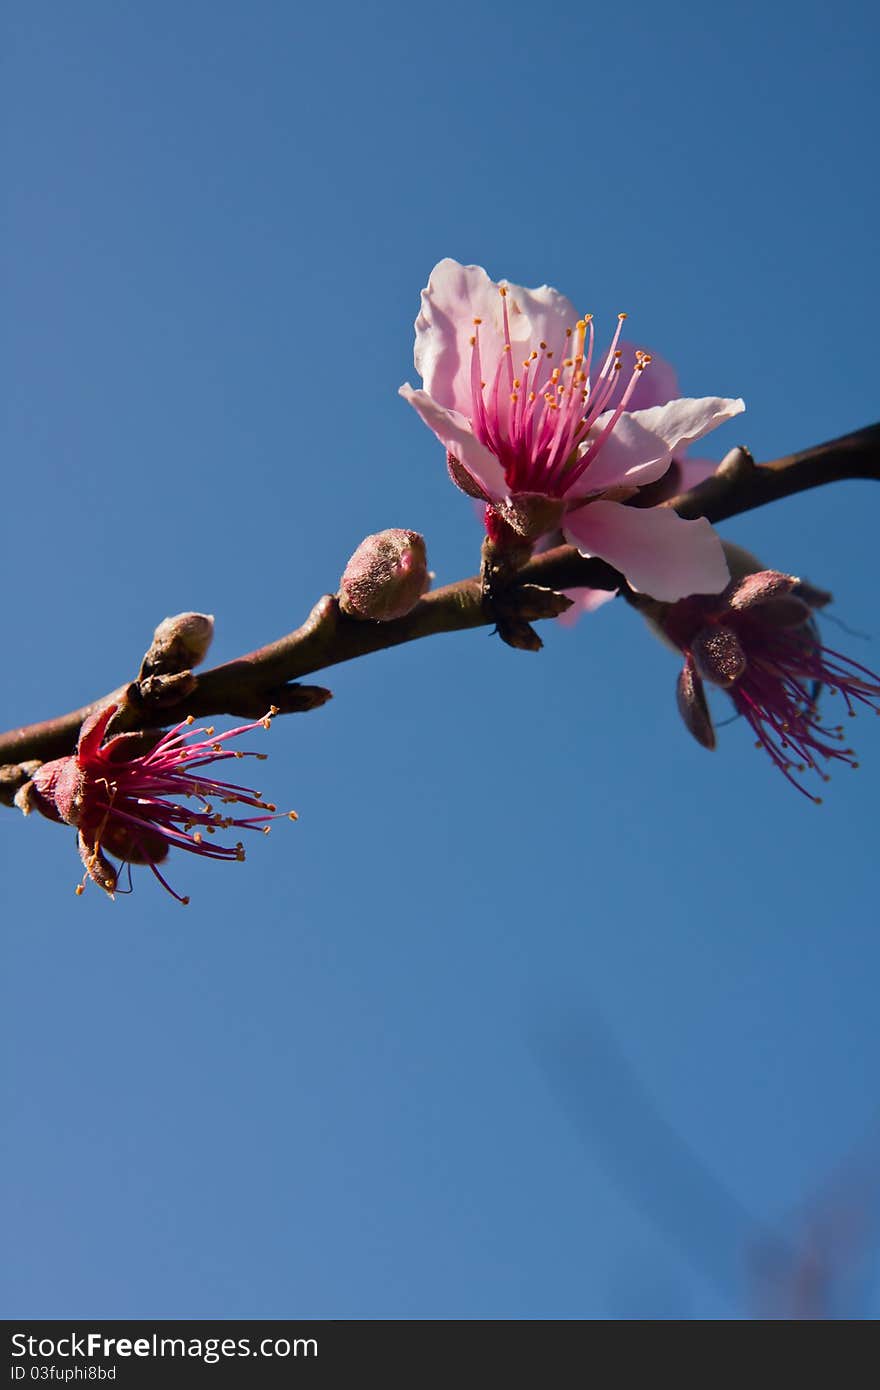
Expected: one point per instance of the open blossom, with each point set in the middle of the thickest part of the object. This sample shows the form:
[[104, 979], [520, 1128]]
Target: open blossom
[[536, 422], [759, 642], [127, 802]]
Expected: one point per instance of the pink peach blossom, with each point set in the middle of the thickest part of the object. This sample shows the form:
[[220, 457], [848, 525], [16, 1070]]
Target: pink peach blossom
[[532, 414], [126, 801]]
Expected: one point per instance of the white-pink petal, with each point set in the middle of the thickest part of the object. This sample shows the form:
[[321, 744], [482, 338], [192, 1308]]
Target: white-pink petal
[[631, 456], [455, 434], [584, 601], [659, 553], [640, 447], [454, 297], [691, 472], [679, 423]]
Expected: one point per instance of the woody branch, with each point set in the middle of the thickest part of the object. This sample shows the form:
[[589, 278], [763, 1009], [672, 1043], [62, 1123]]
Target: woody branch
[[269, 675]]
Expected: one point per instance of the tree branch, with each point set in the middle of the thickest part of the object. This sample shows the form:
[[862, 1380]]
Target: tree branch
[[248, 685]]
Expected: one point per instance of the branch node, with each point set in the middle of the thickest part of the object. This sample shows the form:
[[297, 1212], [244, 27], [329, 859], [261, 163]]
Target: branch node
[[736, 465], [162, 691]]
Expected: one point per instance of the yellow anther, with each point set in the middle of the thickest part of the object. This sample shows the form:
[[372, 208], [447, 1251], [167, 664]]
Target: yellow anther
[[291, 815], [502, 290], [514, 397], [473, 342], [621, 317], [478, 321], [79, 889], [507, 347]]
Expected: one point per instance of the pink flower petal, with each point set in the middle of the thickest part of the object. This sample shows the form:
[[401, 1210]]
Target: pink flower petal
[[584, 601], [639, 449], [693, 471], [657, 384], [682, 421], [454, 297], [660, 554], [455, 434], [631, 456]]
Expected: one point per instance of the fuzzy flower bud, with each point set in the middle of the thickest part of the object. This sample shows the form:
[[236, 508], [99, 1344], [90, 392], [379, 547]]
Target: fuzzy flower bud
[[385, 577], [179, 643]]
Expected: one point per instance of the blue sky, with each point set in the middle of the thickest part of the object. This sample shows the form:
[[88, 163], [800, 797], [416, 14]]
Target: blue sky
[[539, 1010]]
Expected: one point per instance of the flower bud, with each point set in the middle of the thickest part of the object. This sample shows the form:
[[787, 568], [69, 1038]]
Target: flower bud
[[385, 577], [179, 643]]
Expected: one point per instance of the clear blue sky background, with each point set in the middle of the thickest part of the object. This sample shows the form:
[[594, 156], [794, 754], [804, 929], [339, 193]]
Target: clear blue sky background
[[540, 1010]]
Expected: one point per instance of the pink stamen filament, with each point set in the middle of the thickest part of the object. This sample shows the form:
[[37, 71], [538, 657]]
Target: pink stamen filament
[[535, 429]]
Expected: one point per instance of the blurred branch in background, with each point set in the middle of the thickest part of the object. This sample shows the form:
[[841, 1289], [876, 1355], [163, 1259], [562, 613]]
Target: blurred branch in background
[[815, 1263]]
